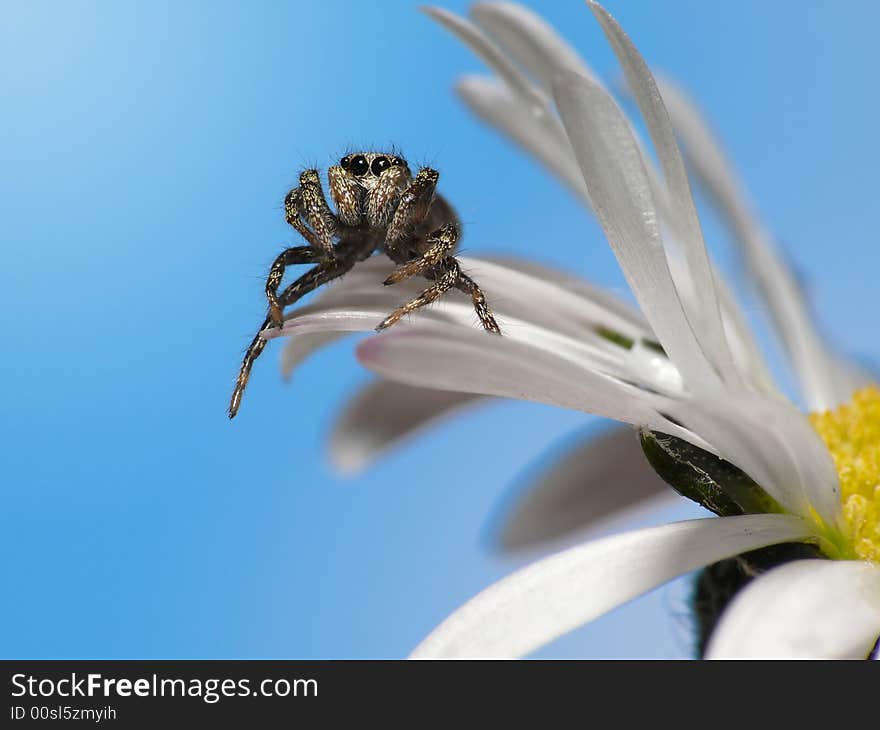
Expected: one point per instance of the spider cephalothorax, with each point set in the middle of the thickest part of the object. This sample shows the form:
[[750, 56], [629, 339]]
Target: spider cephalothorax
[[380, 206]]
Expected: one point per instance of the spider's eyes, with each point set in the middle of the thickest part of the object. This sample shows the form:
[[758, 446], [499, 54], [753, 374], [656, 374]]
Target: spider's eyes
[[399, 162], [345, 162], [380, 164], [359, 165]]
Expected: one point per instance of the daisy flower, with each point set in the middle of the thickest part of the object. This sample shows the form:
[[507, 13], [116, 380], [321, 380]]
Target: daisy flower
[[686, 372]]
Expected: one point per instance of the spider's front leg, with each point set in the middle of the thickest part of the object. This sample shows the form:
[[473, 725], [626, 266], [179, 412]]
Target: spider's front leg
[[412, 209], [307, 210], [318, 276], [289, 257], [436, 263]]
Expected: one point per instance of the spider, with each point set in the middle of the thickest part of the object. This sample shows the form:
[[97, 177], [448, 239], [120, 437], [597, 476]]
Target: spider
[[380, 206]]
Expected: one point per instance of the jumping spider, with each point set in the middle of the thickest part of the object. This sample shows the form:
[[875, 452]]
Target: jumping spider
[[380, 206]]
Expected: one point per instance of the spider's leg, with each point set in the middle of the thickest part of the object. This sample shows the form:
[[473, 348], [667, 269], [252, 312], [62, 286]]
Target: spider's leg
[[252, 353], [441, 243], [293, 215], [415, 202], [307, 205], [436, 263], [311, 280], [487, 319], [318, 276], [444, 282], [289, 257], [448, 276]]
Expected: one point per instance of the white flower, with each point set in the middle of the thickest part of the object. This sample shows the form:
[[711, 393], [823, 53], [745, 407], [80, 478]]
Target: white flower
[[571, 493], [579, 349]]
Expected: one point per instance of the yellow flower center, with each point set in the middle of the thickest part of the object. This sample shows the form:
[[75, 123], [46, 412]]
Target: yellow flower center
[[852, 435]]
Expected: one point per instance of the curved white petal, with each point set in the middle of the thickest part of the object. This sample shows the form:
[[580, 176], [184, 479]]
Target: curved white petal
[[815, 365], [553, 596], [593, 293], [535, 45], [579, 312], [743, 346], [619, 188], [529, 40], [463, 360], [442, 349], [809, 609], [455, 320], [704, 313], [502, 109], [567, 304], [574, 319], [602, 476], [385, 413], [773, 443], [532, 43], [533, 100], [478, 42]]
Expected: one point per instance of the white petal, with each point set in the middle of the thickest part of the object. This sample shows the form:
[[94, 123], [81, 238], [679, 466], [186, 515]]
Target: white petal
[[502, 109], [593, 293], [579, 311], [477, 41], [526, 38], [555, 595], [548, 132], [384, 414], [743, 345], [603, 476], [536, 46], [351, 316], [573, 318], [441, 348], [704, 315], [615, 176], [815, 365], [568, 304], [773, 443], [464, 360], [809, 609], [529, 40]]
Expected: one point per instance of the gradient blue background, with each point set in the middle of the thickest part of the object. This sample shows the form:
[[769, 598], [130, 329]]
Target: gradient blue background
[[145, 149]]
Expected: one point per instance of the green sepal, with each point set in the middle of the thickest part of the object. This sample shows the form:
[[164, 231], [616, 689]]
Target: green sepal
[[709, 481]]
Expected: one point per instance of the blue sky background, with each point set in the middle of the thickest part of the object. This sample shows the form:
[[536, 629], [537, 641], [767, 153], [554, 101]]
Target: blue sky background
[[145, 149]]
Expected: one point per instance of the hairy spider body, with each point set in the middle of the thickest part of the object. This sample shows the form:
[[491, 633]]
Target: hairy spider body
[[380, 207]]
